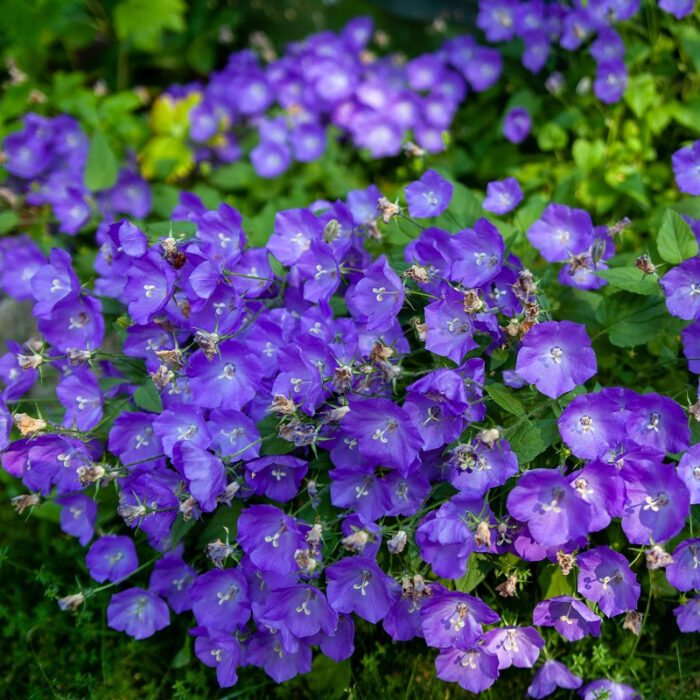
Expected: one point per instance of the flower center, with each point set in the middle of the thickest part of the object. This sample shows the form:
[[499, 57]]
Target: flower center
[[556, 354]]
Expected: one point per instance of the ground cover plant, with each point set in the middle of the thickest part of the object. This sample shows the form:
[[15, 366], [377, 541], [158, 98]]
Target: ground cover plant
[[284, 415]]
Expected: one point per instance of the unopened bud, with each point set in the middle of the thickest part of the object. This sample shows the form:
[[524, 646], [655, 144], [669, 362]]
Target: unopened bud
[[598, 250], [27, 500], [71, 602], [28, 425], [397, 543], [620, 226], [331, 231]]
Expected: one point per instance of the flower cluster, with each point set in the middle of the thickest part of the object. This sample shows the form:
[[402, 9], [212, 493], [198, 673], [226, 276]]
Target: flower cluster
[[334, 399]]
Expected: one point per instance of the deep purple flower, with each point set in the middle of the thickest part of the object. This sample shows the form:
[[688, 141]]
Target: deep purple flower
[[270, 159], [616, 691], [688, 470], [610, 80], [477, 254], [220, 600], [657, 422], [220, 650], [453, 619], [514, 646], [556, 357], [591, 426], [53, 283], [484, 69], [149, 287], [606, 579], [265, 649], [570, 617], [302, 609], [678, 8], [356, 584], [555, 513], [449, 326], [657, 502], [378, 296], [600, 485], [21, 259], [497, 19], [172, 578], [132, 438], [684, 573], [502, 196], [474, 669], [561, 232], [691, 346], [204, 473], [686, 168], [184, 424], [137, 612], [479, 467], [277, 476], [517, 124], [681, 286], [688, 615], [384, 431], [80, 394], [550, 676], [428, 196], [111, 558], [78, 516]]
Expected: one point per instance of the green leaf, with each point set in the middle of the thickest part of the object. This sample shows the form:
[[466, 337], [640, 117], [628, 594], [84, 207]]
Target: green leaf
[[588, 154], [148, 398], [8, 220], [640, 93], [634, 321], [505, 399], [159, 229], [690, 41], [552, 137], [328, 678], [525, 440], [143, 21], [101, 166], [553, 583], [478, 569], [631, 280], [675, 241]]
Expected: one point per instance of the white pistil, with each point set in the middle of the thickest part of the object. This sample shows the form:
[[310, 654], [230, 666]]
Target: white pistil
[[366, 577], [556, 354]]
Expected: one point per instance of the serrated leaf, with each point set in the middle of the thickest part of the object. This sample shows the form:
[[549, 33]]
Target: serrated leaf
[[631, 280], [505, 399], [675, 240], [101, 165], [148, 398], [525, 440]]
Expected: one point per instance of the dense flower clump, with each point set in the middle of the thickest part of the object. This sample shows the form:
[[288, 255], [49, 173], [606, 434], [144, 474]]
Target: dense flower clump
[[337, 400]]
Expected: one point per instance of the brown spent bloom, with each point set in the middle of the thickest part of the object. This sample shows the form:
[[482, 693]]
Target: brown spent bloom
[[489, 436], [172, 358], [633, 622], [27, 500], [218, 552], [397, 543], [209, 343], [380, 352], [162, 377], [29, 361], [645, 265], [417, 273], [77, 356], [694, 410], [281, 404], [525, 286], [483, 534], [28, 425], [658, 557], [566, 562], [71, 602], [412, 150], [89, 474], [473, 303], [508, 588], [387, 209]]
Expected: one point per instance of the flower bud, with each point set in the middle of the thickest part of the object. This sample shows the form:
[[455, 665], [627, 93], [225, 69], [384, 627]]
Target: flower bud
[[598, 250], [331, 231]]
